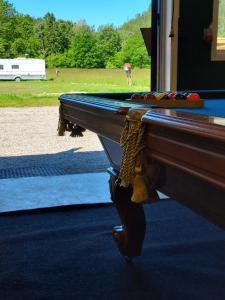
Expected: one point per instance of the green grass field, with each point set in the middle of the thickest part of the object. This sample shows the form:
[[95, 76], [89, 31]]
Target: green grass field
[[42, 93]]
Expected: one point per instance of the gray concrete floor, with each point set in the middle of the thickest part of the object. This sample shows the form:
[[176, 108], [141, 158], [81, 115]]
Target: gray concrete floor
[[40, 192]]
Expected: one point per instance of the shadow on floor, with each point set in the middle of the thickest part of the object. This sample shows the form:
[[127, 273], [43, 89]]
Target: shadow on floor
[[62, 163]]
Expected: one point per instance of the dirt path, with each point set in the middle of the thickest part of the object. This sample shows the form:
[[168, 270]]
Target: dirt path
[[29, 141]]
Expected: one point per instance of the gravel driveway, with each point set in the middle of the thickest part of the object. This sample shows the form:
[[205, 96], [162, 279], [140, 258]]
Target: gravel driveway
[[29, 145]]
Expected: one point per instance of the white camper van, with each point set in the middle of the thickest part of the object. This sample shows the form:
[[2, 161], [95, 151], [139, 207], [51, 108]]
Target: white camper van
[[22, 69]]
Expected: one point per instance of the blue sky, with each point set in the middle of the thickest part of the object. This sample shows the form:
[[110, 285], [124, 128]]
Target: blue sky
[[96, 12]]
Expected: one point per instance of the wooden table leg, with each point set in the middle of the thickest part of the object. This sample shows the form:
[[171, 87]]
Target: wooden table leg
[[130, 235]]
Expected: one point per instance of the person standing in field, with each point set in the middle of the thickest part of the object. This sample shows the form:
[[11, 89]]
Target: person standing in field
[[57, 72], [127, 70]]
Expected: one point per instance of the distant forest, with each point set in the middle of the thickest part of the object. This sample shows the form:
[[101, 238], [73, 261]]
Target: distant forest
[[68, 44]]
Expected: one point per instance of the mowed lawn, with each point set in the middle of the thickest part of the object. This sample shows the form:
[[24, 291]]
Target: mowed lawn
[[40, 93]]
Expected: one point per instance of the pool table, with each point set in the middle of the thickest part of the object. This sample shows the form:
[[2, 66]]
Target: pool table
[[184, 149]]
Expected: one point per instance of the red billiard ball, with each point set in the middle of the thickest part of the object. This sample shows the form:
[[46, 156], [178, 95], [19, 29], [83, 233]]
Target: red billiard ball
[[149, 96], [137, 96], [193, 96], [172, 95]]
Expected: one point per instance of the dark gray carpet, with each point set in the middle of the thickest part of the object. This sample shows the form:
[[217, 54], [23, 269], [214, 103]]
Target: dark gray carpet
[[68, 253]]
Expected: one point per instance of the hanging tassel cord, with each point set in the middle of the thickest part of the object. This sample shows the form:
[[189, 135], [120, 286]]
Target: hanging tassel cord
[[132, 142], [133, 170]]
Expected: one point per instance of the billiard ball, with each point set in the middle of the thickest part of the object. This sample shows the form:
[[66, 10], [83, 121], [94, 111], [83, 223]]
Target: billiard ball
[[137, 96], [149, 96], [159, 96], [180, 96], [193, 96], [186, 94], [172, 95], [165, 97]]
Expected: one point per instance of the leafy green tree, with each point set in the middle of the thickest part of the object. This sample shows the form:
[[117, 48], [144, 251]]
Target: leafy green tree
[[108, 42], [3, 48], [46, 32], [40, 35], [133, 47], [54, 35], [67, 44], [116, 61], [25, 43], [24, 25], [16, 33], [134, 51], [64, 33], [141, 20], [131, 27], [58, 60], [84, 52], [7, 27], [18, 47], [32, 47]]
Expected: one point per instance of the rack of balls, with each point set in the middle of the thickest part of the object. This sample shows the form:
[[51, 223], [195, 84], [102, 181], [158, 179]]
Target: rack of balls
[[169, 99]]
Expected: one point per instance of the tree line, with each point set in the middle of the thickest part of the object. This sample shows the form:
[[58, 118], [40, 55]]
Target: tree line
[[72, 44]]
